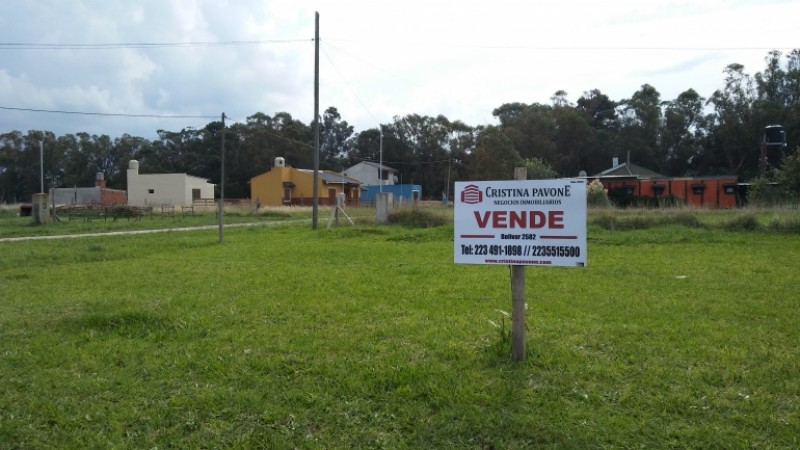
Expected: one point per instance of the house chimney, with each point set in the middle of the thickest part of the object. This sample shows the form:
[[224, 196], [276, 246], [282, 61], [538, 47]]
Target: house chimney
[[614, 161], [100, 180]]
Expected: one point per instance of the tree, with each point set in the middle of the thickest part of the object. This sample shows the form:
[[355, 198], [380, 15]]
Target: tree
[[559, 99], [601, 114], [599, 110], [12, 188], [788, 176], [426, 139], [574, 140], [295, 140], [539, 170], [641, 125], [127, 148], [733, 146], [494, 157], [683, 132], [531, 129], [335, 135]]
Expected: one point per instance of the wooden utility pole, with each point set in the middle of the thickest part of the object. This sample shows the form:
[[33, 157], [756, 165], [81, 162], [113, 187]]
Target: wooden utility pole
[[41, 165], [518, 296], [315, 209], [221, 213]]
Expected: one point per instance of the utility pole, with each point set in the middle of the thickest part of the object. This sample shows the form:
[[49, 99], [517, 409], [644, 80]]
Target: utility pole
[[315, 209], [380, 162], [447, 188], [222, 184], [41, 165]]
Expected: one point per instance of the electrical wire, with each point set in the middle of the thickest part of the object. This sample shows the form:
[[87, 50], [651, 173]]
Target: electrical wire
[[140, 45], [352, 91], [89, 113]]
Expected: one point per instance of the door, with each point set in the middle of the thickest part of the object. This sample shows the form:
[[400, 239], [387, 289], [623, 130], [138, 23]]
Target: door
[[331, 196]]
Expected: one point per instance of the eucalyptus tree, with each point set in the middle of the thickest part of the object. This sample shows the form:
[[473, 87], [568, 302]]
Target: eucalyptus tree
[[255, 144], [364, 146], [602, 116], [641, 123], [334, 140], [426, 138], [461, 143], [13, 159], [494, 157], [294, 140], [531, 129], [733, 146], [127, 148], [574, 140], [683, 133], [80, 160], [778, 91]]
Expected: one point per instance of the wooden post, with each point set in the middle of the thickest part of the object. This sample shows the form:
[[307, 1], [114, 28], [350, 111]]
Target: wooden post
[[518, 297], [221, 212], [315, 204]]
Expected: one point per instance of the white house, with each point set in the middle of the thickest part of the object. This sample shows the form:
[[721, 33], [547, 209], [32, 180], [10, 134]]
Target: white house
[[175, 189], [372, 174]]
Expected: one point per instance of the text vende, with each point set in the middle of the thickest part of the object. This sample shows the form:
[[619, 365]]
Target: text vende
[[520, 219]]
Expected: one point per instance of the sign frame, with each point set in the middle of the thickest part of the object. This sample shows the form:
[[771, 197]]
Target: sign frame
[[521, 222]]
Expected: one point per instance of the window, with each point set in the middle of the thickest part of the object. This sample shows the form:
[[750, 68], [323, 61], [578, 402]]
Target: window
[[151, 191]]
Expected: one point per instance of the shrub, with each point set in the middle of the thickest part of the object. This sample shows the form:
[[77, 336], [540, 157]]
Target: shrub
[[418, 218], [742, 222], [764, 192], [596, 195], [643, 220], [787, 224]]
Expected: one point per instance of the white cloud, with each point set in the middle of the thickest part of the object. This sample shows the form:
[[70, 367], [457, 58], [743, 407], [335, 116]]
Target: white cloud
[[379, 59]]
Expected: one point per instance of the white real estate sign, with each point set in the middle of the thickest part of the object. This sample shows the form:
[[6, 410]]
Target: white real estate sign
[[525, 223]]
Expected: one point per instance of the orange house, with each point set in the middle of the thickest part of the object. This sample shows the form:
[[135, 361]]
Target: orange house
[[287, 186], [709, 192]]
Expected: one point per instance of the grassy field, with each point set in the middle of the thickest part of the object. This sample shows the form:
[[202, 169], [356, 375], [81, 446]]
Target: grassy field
[[682, 332]]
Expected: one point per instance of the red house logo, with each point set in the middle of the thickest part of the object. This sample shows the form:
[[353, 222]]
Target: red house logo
[[471, 195]]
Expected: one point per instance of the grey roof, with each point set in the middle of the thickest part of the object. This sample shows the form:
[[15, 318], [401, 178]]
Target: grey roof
[[332, 177], [629, 170]]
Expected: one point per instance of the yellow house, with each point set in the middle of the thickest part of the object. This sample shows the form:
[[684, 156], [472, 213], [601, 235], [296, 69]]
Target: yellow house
[[285, 186]]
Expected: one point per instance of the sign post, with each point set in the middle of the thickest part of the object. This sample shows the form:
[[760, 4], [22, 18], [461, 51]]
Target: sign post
[[518, 296], [520, 223]]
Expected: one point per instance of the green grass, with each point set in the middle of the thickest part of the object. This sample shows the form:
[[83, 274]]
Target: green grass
[[674, 336], [13, 226]]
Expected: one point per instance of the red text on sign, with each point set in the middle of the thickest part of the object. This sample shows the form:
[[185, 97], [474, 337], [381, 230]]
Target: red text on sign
[[520, 219]]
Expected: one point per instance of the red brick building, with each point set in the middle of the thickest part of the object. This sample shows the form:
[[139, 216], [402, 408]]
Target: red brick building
[[709, 192]]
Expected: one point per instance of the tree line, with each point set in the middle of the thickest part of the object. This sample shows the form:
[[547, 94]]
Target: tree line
[[686, 136]]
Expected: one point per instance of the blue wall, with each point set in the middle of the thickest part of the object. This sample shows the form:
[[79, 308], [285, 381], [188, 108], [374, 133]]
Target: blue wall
[[399, 191]]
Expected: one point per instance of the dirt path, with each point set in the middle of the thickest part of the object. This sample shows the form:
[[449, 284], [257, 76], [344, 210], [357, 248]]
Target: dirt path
[[157, 230]]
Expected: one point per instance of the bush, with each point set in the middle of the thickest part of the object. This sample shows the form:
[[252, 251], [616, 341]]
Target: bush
[[784, 225], [645, 220], [764, 192], [596, 195], [789, 175], [418, 218], [742, 222]]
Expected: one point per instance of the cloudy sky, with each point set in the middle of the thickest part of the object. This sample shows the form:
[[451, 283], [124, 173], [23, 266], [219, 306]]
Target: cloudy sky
[[199, 58]]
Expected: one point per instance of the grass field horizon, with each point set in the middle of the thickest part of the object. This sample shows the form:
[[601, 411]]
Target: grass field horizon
[[682, 332]]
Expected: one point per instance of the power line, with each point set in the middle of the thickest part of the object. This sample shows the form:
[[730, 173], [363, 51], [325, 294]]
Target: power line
[[148, 116], [120, 45], [453, 45], [352, 91], [88, 113]]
